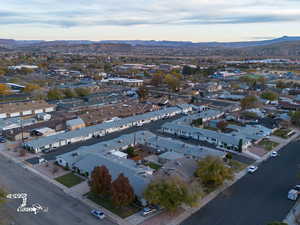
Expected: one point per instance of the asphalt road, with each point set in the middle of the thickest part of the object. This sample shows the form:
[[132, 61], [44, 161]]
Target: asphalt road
[[258, 198], [62, 209]]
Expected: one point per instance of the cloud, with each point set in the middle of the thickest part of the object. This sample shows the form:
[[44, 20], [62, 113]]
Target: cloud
[[147, 12]]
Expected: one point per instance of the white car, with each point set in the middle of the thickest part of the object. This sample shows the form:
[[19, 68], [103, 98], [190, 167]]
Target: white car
[[97, 213], [274, 154], [252, 169], [148, 211]]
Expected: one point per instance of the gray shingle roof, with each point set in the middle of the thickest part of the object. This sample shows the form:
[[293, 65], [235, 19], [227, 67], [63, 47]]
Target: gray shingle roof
[[89, 131]]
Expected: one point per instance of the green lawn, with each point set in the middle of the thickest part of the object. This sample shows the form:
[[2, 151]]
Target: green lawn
[[282, 133], [69, 180], [236, 165], [154, 165], [106, 202], [267, 144]]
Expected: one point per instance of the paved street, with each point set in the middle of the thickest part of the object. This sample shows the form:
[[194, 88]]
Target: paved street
[[63, 209], [256, 199]]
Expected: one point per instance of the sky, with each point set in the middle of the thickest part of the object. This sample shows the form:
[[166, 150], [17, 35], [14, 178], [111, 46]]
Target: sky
[[176, 20]]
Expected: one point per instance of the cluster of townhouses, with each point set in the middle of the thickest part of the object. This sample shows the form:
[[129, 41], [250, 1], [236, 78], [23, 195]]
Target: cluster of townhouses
[[55, 141], [205, 116], [239, 138], [26, 108], [110, 154]]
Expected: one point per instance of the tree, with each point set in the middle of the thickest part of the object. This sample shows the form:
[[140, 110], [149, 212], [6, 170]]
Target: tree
[[269, 95], [130, 151], [107, 68], [142, 93], [4, 89], [31, 87], [240, 148], [249, 102], [122, 191], [249, 115], [280, 84], [54, 94], [229, 156], [69, 93], [172, 192], [295, 118], [248, 80], [157, 79], [2, 195], [81, 92], [187, 70], [262, 80], [2, 71], [197, 122], [222, 125], [101, 180], [213, 172], [172, 81]]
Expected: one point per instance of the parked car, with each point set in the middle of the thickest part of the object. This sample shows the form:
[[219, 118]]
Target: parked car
[[274, 154], [148, 211], [297, 187], [252, 169], [42, 161], [97, 213], [2, 140], [293, 194]]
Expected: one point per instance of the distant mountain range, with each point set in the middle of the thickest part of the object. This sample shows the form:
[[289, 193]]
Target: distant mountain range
[[11, 43], [279, 47], [208, 44]]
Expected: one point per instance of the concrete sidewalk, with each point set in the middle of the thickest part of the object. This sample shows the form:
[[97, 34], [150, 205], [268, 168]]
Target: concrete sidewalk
[[293, 218]]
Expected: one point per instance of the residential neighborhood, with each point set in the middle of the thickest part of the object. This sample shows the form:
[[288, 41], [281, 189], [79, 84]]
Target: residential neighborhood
[[117, 112]]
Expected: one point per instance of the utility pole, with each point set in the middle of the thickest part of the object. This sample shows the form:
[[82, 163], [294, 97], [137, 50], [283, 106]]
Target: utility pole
[[22, 130]]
